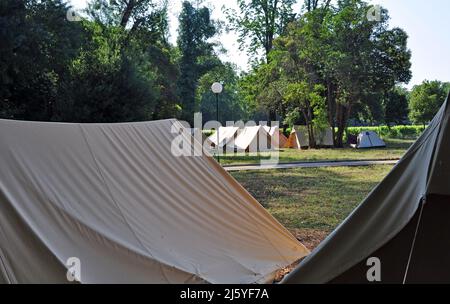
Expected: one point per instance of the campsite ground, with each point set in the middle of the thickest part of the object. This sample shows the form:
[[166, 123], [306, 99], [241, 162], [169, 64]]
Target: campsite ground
[[311, 202], [394, 150]]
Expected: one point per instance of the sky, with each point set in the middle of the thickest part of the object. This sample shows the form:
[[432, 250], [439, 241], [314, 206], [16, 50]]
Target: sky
[[426, 23]]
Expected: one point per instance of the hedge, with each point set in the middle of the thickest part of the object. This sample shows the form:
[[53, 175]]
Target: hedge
[[402, 132]]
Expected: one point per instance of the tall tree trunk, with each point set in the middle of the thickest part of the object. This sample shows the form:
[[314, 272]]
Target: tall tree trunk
[[331, 105], [127, 13], [343, 113]]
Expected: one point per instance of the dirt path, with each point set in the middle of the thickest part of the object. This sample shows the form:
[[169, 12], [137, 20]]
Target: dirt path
[[311, 165]]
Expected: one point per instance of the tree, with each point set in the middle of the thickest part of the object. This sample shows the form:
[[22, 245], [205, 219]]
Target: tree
[[144, 44], [396, 106], [259, 22], [365, 58], [125, 13], [37, 44], [106, 83], [357, 61], [196, 27], [426, 99], [232, 108], [311, 5]]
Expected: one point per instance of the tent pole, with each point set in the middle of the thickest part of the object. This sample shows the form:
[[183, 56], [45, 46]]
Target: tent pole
[[414, 241], [217, 116]]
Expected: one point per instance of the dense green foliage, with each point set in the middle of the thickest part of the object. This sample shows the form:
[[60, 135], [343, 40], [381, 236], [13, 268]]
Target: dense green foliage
[[115, 65], [331, 64], [196, 27], [426, 99], [326, 65], [258, 23]]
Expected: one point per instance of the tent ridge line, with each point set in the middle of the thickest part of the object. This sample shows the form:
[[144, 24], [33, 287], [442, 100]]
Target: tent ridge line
[[438, 136]]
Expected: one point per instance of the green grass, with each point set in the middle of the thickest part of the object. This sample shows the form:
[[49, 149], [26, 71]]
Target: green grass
[[312, 198], [394, 150]]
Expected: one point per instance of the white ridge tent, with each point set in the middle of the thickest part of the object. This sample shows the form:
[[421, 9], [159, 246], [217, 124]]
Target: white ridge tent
[[226, 136], [403, 222], [369, 139], [116, 197], [253, 139]]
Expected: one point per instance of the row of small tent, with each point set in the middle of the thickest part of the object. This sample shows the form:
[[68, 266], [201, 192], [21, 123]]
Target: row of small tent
[[244, 139], [250, 138], [115, 198]]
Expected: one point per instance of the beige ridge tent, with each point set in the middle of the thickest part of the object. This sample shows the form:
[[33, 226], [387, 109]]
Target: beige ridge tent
[[253, 139], [227, 135], [404, 222], [299, 138], [115, 197]]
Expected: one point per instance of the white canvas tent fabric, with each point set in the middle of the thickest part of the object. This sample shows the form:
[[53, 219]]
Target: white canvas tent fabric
[[226, 135], [369, 139], [114, 196], [253, 139], [396, 216]]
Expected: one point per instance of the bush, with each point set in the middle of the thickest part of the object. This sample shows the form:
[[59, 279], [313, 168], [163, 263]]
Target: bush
[[401, 132]]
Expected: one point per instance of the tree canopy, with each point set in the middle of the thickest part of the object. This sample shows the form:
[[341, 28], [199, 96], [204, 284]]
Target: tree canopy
[[323, 65], [426, 99]]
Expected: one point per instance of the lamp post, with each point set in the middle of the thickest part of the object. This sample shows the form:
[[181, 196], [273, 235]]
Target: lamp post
[[217, 88]]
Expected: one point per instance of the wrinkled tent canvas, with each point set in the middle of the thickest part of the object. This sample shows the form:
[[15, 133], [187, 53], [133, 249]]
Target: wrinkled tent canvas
[[403, 222], [227, 135], [253, 139], [114, 196], [369, 139]]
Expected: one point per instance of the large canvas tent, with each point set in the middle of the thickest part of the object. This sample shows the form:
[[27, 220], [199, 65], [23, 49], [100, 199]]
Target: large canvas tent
[[403, 222], [116, 197], [369, 139], [253, 139]]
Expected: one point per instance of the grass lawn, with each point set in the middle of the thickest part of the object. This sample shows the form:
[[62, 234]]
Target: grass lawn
[[394, 150], [311, 202]]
